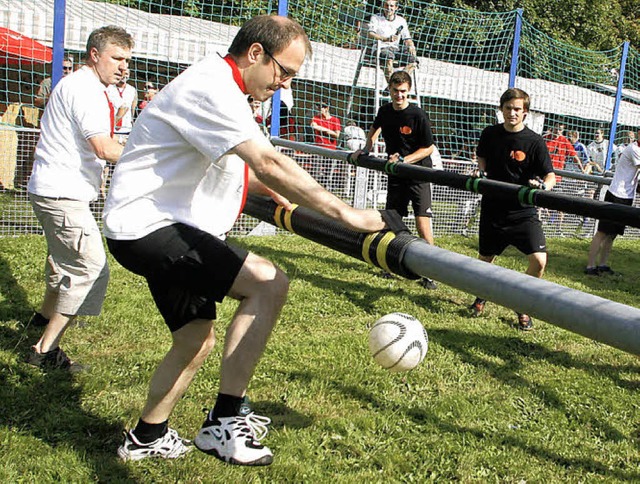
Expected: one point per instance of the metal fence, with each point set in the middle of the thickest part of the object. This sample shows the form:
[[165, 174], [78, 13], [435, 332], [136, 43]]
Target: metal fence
[[455, 211]]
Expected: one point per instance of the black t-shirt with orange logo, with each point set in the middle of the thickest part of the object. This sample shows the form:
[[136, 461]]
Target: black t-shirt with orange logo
[[512, 158], [405, 131]]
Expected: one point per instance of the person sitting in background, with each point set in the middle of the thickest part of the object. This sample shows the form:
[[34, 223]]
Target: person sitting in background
[[390, 28]]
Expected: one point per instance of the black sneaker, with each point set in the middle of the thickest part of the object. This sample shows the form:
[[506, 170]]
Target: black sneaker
[[592, 271], [606, 270], [53, 360], [386, 275], [525, 323], [38, 321], [477, 307], [428, 283]]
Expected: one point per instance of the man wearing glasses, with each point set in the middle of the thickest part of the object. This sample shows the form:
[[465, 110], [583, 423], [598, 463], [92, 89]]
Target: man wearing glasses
[[44, 90], [193, 155]]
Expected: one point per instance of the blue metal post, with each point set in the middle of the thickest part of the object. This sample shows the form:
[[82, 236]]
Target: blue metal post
[[59, 14], [515, 52], [283, 10], [616, 106]]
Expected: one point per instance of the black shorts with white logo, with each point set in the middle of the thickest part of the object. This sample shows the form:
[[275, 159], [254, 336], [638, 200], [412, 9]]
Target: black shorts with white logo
[[525, 234], [399, 194], [187, 270]]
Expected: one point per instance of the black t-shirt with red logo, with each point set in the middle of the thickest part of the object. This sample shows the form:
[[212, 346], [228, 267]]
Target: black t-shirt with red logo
[[512, 158], [405, 131]]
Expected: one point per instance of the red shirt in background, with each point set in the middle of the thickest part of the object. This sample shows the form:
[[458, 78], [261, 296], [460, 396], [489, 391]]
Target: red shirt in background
[[559, 148], [331, 123]]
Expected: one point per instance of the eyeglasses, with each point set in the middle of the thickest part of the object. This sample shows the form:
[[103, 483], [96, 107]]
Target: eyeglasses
[[67, 68], [285, 74]]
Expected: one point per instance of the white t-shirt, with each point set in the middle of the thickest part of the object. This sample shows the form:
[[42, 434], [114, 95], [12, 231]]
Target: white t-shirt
[[625, 178], [598, 151], [381, 26], [123, 97], [355, 137], [175, 166], [65, 164]]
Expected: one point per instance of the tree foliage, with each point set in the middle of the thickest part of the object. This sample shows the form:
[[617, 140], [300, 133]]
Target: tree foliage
[[590, 24]]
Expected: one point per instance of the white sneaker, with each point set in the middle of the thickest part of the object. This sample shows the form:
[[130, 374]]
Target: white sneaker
[[236, 440], [169, 446]]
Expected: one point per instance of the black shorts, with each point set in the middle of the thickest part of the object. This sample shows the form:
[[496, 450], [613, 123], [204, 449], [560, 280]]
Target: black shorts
[[525, 234], [400, 194], [607, 226], [187, 270]]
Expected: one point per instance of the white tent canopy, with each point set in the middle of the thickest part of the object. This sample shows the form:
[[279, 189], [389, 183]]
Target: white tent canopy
[[185, 40]]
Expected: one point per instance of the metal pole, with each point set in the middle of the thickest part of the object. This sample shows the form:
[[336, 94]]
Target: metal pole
[[504, 191], [515, 52], [616, 105], [59, 15], [597, 318], [283, 11], [606, 321]]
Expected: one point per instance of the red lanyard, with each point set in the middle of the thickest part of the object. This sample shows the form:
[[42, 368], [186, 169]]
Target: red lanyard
[[236, 73], [111, 114]]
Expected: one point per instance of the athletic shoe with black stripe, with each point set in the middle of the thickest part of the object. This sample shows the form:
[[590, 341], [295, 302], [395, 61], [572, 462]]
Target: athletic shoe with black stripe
[[525, 323], [55, 359], [169, 446], [477, 307], [236, 440]]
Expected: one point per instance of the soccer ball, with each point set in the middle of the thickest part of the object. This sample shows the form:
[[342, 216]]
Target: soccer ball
[[398, 342]]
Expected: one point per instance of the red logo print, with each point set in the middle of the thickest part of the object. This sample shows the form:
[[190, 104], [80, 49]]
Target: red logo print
[[405, 130], [518, 156]]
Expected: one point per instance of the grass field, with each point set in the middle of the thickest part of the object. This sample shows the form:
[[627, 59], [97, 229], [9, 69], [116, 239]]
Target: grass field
[[488, 404]]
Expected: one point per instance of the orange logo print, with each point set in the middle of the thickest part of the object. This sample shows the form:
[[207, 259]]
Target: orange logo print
[[519, 156], [405, 130]]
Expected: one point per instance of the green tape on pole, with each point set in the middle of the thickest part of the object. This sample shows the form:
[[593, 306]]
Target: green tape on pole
[[525, 196]]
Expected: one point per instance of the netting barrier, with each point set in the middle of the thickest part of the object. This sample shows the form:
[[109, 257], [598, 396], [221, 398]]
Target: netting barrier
[[465, 60]]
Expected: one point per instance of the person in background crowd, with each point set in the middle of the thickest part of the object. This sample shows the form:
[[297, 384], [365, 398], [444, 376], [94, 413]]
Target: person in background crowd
[[326, 127], [44, 89]]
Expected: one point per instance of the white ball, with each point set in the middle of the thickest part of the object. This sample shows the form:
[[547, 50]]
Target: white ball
[[398, 342]]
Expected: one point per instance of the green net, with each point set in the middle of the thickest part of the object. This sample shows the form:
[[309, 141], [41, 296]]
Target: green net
[[465, 60]]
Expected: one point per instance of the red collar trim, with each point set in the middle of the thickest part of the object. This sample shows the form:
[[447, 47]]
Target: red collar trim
[[235, 72]]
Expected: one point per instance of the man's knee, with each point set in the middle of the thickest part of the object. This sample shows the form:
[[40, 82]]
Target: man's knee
[[195, 340], [537, 263], [261, 278]]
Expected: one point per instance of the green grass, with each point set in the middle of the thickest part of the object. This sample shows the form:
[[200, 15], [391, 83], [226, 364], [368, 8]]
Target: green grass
[[488, 404]]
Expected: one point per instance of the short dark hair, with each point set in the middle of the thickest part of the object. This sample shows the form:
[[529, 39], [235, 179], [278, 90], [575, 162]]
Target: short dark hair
[[273, 32], [515, 93], [109, 34], [400, 77]]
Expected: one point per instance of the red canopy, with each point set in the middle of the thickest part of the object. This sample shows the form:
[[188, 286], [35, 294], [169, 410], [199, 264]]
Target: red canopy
[[15, 48]]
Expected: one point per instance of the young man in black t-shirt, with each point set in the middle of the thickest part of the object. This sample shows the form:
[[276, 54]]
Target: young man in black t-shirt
[[510, 152], [406, 130]]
